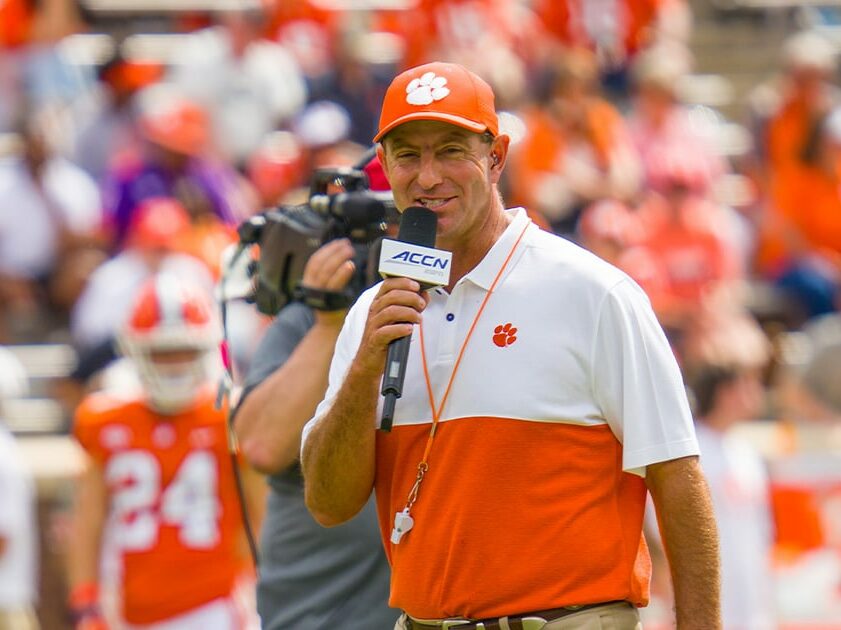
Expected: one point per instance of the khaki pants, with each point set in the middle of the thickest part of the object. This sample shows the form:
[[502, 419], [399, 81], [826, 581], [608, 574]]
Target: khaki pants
[[619, 616], [18, 619]]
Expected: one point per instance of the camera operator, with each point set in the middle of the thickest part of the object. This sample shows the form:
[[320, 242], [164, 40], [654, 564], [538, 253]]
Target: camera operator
[[310, 577]]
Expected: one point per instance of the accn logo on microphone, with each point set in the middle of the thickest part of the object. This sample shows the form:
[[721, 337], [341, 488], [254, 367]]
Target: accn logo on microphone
[[425, 264], [504, 335], [417, 258]]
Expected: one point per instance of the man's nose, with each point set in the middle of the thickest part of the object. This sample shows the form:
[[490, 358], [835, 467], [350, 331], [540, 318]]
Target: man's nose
[[429, 175]]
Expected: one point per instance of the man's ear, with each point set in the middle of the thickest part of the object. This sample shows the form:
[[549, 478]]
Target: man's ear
[[499, 151]]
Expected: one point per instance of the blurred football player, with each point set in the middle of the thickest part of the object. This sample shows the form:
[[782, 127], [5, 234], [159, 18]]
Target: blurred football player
[[159, 485]]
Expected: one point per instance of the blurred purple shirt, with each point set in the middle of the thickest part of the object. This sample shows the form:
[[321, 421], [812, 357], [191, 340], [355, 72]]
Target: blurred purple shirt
[[127, 186]]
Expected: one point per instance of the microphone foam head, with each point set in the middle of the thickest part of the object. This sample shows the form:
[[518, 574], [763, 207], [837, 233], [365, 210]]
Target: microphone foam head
[[418, 226]]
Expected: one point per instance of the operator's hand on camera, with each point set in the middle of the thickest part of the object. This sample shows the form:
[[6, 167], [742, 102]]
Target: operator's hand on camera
[[330, 268], [394, 312]]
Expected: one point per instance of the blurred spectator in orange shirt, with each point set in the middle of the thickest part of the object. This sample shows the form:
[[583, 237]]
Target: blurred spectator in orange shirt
[[451, 29], [682, 234], [607, 228], [277, 167], [613, 231], [810, 208], [576, 148], [308, 31], [615, 30], [812, 203], [16, 17], [176, 163], [784, 115]]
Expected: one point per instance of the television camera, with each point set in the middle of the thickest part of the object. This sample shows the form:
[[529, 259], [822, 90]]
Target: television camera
[[340, 205]]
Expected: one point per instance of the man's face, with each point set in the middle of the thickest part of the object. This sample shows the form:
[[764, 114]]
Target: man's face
[[447, 169]]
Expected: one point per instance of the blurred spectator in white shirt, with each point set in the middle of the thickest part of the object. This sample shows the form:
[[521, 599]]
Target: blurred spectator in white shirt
[[249, 84], [157, 232], [725, 357], [660, 124], [50, 211], [18, 529], [108, 133]]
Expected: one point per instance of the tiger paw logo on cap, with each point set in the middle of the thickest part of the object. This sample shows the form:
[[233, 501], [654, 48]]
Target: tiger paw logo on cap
[[426, 89], [444, 92]]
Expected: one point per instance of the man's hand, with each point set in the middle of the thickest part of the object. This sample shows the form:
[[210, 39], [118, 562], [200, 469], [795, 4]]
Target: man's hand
[[330, 268], [392, 315]]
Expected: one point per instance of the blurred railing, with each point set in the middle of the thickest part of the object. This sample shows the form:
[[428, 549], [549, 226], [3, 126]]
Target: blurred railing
[[39, 412]]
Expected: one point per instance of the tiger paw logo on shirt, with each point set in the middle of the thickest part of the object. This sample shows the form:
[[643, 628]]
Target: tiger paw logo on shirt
[[505, 335]]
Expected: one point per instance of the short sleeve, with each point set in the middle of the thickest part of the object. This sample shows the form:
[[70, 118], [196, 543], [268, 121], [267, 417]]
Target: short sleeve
[[278, 343], [346, 347], [637, 383], [85, 430]]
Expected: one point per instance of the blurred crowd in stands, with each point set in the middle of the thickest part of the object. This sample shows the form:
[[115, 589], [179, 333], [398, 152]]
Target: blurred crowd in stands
[[120, 160]]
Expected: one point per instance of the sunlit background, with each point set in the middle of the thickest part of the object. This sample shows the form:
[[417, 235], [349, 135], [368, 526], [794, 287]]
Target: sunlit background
[[694, 144]]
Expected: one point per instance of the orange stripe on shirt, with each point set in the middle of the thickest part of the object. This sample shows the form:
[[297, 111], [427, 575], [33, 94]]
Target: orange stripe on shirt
[[513, 516]]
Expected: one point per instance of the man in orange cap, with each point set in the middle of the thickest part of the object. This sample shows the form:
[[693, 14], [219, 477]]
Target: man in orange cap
[[541, 403]]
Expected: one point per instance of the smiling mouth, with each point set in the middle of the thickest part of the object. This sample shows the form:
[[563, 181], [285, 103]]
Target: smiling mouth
[[432, 204]]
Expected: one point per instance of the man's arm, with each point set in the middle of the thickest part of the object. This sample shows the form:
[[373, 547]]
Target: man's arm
[[690, 538], [338, 456], [269, 421]]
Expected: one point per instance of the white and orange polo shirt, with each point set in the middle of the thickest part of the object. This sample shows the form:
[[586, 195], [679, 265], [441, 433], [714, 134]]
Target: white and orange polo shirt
[[534, 495]]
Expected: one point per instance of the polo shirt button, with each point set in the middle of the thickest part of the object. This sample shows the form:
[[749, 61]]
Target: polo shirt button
[[450, 317]]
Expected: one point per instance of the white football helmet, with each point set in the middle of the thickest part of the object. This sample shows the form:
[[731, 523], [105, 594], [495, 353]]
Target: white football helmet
[[169, 316]]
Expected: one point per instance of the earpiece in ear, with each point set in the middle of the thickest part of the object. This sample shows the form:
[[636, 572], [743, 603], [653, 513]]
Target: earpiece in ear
[[495, 159]]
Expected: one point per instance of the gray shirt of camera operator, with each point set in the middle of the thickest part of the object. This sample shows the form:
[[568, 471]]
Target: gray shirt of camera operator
[[311, 577]]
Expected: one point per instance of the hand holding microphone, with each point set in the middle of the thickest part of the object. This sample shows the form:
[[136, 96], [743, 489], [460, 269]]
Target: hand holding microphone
[[412, 255]]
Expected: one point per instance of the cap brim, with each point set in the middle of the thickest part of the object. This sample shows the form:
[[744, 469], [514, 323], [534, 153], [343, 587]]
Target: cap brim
[[459, 121]]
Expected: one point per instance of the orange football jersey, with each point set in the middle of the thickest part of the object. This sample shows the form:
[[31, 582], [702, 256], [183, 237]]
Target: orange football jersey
[[173, 505]]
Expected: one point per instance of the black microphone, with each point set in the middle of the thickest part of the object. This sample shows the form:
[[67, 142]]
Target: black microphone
[[417, 227]]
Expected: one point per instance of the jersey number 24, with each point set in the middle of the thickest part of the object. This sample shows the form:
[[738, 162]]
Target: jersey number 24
[[140, 506]]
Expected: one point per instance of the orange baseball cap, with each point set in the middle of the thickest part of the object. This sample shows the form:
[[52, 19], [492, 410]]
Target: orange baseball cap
[[439, 91], [178, 125], [159, 223]]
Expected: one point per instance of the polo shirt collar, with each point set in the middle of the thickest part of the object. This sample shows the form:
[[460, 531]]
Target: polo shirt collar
[[484, 273]]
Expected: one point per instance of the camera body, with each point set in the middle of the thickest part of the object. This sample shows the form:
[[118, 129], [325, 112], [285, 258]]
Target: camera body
[[340, 205]]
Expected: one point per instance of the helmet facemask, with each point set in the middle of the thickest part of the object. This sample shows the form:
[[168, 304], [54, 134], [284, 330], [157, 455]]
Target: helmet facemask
[[172, 337]]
